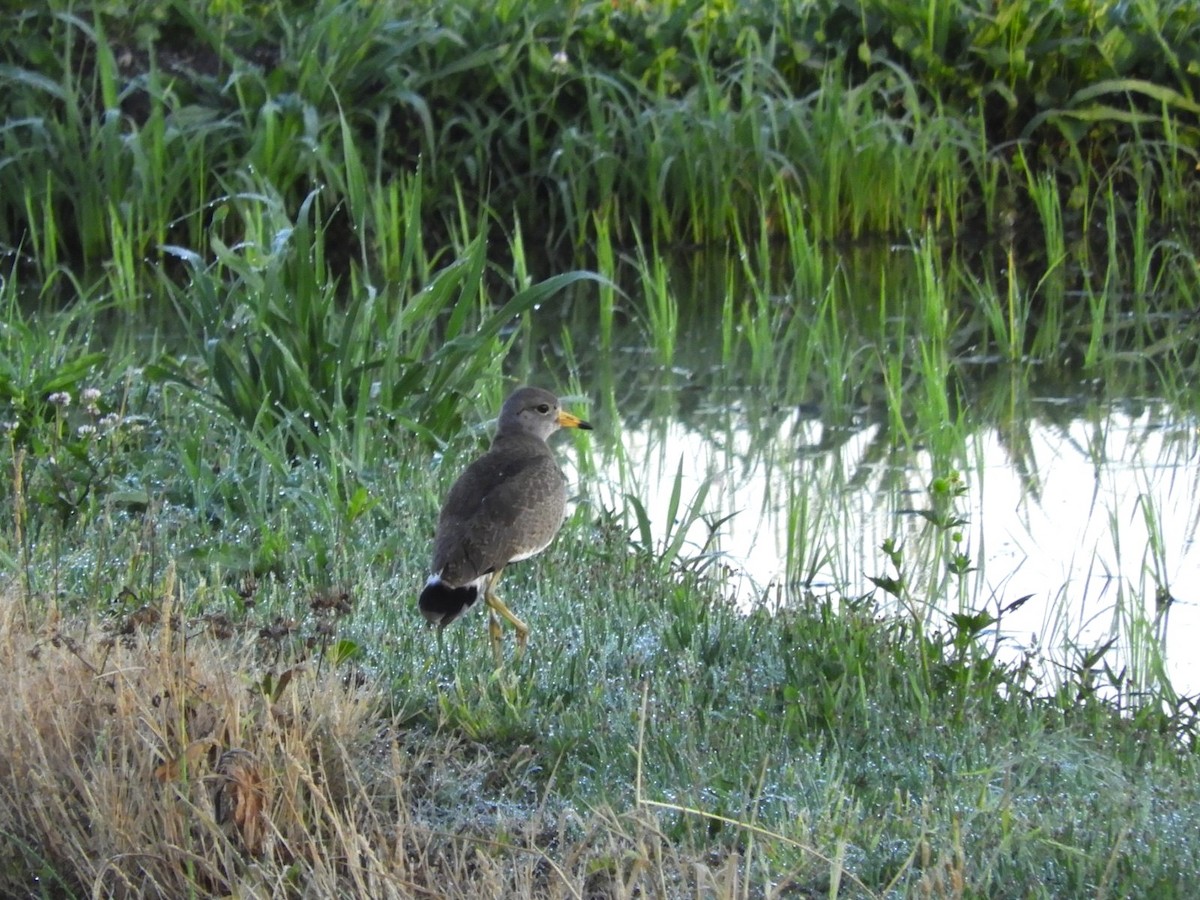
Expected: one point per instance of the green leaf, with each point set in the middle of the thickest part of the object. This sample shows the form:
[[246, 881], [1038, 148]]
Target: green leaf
[[344, 650]]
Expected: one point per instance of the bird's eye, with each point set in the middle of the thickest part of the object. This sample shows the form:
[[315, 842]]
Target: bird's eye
[[543, 408]]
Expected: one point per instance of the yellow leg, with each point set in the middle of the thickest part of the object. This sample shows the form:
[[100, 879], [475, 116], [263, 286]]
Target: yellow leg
[[497, 606], [496, 635]]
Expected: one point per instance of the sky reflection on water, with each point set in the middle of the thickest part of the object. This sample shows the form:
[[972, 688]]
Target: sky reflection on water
[[1067, 510]]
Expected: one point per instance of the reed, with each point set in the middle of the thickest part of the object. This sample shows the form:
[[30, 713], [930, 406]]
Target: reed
[[554, 138]]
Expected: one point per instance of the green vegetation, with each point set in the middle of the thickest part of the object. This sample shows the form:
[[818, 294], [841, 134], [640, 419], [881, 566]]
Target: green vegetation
[[265, 267]]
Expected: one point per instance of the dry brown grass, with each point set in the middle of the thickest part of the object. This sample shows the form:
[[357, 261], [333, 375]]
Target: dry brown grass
[[154, 764]]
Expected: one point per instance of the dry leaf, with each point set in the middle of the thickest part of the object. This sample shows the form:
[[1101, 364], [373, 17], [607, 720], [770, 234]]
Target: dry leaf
[[172, 769], [241, 797]]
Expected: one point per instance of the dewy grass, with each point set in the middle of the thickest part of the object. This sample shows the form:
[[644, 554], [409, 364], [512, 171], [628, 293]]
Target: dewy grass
[[286, 772], [782, 727]]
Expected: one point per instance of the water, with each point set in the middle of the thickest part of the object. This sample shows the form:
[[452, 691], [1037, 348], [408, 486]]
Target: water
[[1094, 518], [1080, 495]]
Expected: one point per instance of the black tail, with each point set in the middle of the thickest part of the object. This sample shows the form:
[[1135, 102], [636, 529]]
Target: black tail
[[442, 604]]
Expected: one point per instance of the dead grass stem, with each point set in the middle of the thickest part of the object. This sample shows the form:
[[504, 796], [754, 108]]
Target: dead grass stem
[[154, 764]]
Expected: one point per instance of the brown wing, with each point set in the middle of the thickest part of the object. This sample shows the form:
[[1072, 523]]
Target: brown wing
[[502, 507]]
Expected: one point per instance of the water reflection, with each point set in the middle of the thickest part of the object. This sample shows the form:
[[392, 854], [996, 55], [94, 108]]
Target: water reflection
[[806, 399], [1092, 512]]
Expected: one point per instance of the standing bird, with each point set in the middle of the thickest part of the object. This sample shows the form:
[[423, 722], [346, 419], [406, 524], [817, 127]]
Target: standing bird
[[506, 506]]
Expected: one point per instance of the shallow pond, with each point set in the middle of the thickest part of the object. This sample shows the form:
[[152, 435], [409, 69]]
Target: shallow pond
[[1075, 511], [1095, 524]]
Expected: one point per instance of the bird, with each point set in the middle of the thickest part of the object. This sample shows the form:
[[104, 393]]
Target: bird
[[506, 506]]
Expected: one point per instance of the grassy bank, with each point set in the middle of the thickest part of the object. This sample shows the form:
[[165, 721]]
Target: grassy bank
[[274, 736], [267, 273], [217, 684]]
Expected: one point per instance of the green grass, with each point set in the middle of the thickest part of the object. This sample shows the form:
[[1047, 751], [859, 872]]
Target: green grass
[[344, 233], [828, 732], [688, 126]]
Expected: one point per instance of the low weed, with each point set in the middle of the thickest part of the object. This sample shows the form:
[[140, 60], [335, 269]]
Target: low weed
[[283, 351], [242, 775]]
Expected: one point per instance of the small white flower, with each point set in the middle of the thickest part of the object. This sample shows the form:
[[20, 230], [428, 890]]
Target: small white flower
[[60, 398], [90, 395], [85, 431], [112, 420], [561, 60]]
